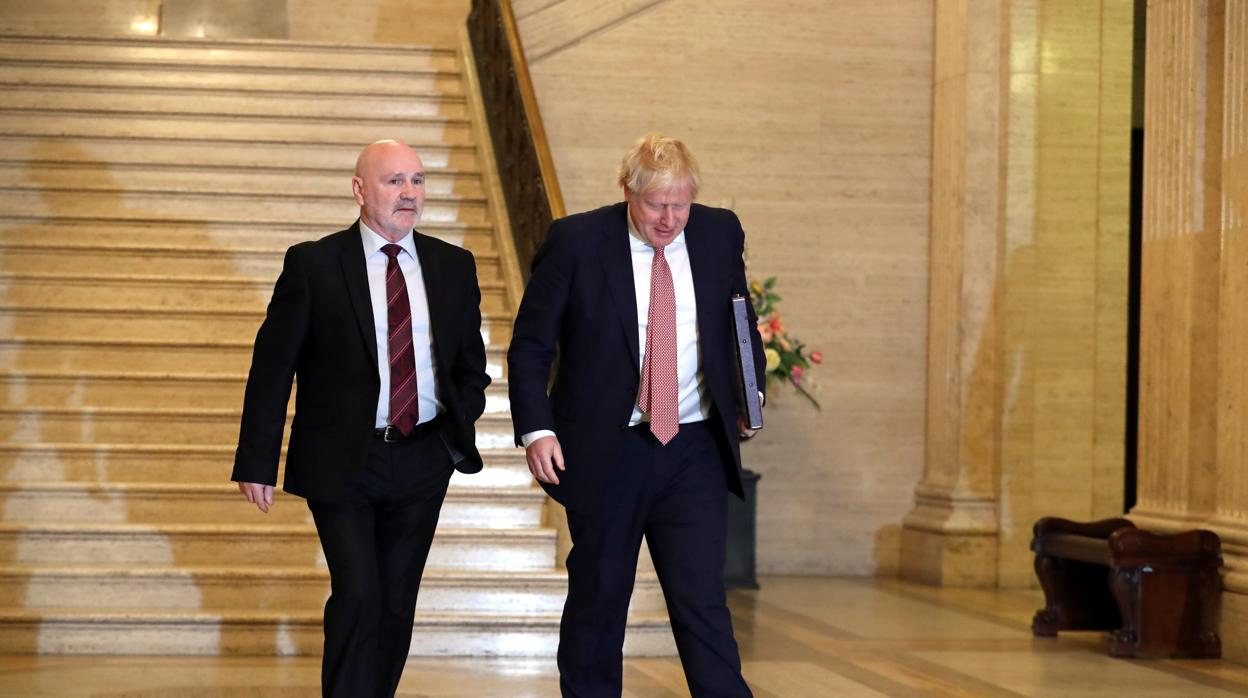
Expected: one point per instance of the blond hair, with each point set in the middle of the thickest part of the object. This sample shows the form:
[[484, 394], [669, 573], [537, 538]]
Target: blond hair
[[656, 162]]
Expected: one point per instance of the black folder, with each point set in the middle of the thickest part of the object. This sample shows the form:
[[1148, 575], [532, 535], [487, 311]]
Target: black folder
[[751, 408]]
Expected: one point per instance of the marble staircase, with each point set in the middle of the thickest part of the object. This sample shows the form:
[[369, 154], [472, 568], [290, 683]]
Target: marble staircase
[[148, 190]]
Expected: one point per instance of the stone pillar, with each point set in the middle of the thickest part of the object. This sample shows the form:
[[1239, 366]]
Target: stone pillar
[[950, 535], [1028, 285]]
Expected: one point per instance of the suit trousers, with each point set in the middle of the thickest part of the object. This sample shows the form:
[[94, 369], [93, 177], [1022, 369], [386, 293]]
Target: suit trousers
[[376, 540], [676, 496]]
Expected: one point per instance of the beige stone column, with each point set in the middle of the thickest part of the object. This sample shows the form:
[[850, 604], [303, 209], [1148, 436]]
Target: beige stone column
[[1194, 304], [1180, 279], [1028, 285], [950, 535]]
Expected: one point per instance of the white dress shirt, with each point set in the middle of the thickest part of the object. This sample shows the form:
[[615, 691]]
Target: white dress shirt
[[422, 335], [694, 400]]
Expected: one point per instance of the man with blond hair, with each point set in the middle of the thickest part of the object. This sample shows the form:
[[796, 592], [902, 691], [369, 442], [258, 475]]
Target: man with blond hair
[[638, 435], [382, 326]]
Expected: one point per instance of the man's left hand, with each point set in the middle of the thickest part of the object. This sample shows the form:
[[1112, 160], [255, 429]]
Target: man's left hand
[[743, 428]]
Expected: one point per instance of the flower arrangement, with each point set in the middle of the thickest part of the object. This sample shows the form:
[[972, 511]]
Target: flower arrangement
[[787, 359]]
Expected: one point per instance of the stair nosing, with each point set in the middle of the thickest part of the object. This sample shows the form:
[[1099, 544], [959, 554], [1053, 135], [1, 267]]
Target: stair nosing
[[311, 618], [520, 534], [267, 143], [184, 449], [154, 280], [199, 193], [457, 121], [457, 493], [150, 343], [192, 90], [291, 45], [124, 166]]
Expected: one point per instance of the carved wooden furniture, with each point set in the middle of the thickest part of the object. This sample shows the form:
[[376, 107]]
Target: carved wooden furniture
[[1158, 595]]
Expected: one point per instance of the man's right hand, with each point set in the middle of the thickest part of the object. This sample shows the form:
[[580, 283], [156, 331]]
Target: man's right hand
[[544, 456], [260, 495]]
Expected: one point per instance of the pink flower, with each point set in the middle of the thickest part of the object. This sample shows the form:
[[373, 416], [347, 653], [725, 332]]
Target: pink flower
[[816, 356], [776, 325], [796, 375], [764, 329]]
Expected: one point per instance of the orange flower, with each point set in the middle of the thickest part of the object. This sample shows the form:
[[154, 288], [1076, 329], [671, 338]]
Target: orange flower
[[776, 325], [816, 356]]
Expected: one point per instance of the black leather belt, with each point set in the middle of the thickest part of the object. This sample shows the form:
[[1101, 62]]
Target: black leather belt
[[391, 434]]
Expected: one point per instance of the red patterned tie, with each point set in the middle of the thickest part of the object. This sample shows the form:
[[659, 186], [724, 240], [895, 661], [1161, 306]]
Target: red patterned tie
[[659, 387], [404, 412]]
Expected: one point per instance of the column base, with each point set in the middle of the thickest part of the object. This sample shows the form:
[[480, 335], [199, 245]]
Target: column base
[[950, 539]]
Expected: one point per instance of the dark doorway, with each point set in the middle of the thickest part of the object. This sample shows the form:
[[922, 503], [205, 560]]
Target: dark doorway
[[1136, 232]]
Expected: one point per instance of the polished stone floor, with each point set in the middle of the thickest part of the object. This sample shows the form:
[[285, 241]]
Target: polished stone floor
[[800, 637]]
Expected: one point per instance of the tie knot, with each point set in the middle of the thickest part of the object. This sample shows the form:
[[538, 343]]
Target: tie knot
[[392, 250]]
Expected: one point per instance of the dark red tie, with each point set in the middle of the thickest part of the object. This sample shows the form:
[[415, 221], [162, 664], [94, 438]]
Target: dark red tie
[[404, 412], [659, 394]]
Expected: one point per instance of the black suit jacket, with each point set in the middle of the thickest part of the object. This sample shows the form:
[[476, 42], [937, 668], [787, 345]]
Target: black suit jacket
[[319, 328], [581, 300]]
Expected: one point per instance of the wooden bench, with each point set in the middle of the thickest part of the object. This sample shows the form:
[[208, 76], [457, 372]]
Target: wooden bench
[[1158, 595]]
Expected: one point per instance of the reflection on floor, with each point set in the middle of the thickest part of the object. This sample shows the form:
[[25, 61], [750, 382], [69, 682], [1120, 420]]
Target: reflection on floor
[[800, 637]]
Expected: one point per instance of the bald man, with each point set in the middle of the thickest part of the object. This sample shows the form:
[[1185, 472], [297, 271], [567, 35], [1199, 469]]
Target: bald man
[[382, 327]]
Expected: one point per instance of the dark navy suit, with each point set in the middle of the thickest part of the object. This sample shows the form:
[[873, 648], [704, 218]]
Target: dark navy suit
[[620, 483]]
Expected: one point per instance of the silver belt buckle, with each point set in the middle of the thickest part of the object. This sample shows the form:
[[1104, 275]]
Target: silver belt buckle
[[391, 434]]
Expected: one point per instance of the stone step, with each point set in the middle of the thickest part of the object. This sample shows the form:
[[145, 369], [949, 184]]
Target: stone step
[[328, 213], [329, 84], [204, 235], [93, 354], [121, 291], [226, 54], [154, 503], [174, 463], [261, 264], [270, 106], [196, 150], [213, 588], [236, 545], [53, 125], [131, 388], [136, 425], [149, 323], [275, 181], [90, 631]]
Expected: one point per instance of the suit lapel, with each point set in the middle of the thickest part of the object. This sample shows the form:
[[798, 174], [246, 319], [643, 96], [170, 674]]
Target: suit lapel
[[356, 275], [701, 268], [431, 272], [617, 263]]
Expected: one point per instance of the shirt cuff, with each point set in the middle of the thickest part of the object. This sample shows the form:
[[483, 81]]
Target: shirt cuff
[[532, 436]]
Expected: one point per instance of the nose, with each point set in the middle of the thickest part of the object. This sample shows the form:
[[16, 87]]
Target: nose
[[665, 218]]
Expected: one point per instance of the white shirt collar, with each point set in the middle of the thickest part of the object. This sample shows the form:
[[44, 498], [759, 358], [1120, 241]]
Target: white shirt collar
[[374, 242]]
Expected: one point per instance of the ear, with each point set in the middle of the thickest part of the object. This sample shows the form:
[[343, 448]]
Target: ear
[[357, 188]]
